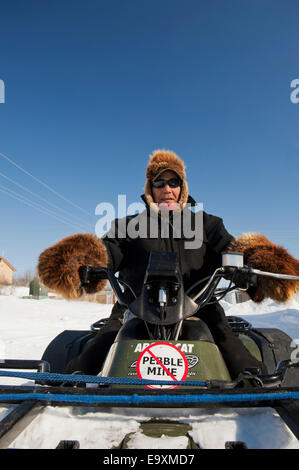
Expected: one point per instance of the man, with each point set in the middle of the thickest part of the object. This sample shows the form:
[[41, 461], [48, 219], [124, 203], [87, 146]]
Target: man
[[166, 190]]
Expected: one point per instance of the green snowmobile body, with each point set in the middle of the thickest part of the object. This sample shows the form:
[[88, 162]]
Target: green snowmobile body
[[204, 361], [201, 358]]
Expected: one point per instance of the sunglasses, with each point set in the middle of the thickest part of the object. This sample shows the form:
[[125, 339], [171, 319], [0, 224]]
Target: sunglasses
[[172, 183]]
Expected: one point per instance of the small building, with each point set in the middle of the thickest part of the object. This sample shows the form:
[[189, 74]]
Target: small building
[[37, 290], [105, 296], [6, 272]]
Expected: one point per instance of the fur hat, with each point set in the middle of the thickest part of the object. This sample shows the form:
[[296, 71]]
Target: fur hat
[[160, 161]]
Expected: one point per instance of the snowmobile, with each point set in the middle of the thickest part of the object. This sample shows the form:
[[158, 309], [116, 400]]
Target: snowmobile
[[163, 356]]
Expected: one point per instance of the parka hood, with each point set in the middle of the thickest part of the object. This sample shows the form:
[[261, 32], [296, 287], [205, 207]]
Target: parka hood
[[160, 161]]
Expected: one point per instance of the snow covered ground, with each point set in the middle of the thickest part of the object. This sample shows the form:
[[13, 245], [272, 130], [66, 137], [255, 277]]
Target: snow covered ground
[[27, 327]]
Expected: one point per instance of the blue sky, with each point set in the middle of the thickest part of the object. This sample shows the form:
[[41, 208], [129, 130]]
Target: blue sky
[[92, 88]]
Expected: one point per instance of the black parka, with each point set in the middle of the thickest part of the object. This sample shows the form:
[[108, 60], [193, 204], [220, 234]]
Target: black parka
[[129, 256]]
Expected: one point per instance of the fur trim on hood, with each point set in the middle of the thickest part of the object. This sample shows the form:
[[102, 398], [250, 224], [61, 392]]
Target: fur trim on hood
[[160, 161]]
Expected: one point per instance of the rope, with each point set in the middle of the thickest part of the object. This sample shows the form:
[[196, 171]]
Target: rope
[[136, 399], [77, 378]]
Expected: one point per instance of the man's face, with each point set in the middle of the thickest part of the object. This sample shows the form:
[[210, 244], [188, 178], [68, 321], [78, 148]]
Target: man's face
[[167, 195]]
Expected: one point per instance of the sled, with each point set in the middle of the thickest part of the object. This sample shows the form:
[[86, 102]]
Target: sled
[[163, 357]]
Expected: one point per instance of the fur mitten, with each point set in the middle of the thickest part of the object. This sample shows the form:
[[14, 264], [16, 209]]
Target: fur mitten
[[260, 253], [58, 265]]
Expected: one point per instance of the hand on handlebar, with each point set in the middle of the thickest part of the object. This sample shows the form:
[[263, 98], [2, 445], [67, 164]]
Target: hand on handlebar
[[243, 278], [260, 253], [59, 265]]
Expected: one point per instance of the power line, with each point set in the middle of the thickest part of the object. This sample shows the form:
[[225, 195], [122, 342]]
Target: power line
[[36, 206], [43, 184], [41, 198]]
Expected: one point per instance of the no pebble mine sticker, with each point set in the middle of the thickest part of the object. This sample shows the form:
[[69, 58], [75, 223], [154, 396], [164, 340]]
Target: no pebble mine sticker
[[162, 361]]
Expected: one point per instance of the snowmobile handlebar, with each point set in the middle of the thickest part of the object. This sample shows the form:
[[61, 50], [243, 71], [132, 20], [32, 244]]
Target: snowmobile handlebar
[[89, 274], [240, 277], [275, 275], [232, 270]]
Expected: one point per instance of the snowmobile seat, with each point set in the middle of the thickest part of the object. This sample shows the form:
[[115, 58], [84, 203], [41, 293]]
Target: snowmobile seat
[[275, 345], [65, 347], [192, 330], [196, 330]]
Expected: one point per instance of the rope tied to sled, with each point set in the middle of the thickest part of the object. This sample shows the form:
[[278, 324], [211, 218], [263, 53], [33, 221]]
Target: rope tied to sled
[[94, 379], [135, 399]]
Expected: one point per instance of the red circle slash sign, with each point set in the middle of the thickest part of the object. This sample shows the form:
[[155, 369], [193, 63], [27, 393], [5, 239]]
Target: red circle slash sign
[[162, 361]]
